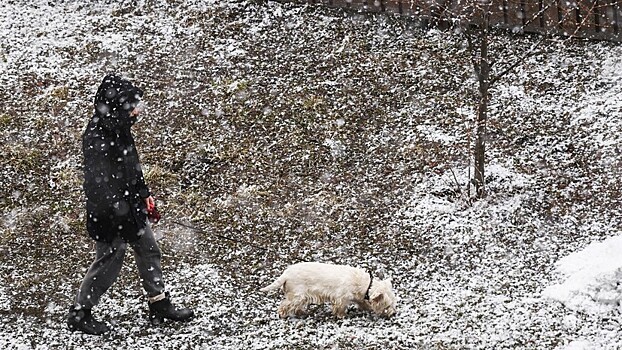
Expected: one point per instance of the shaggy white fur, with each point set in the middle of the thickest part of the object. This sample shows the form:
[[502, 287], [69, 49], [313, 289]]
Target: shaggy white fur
[[316, 283]]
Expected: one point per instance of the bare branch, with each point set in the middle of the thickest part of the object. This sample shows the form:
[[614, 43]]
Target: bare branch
[[540, 13], [584, 19], [518, 61]]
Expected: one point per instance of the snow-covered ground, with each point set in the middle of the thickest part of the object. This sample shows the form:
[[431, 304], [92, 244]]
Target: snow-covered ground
[[323, 135]]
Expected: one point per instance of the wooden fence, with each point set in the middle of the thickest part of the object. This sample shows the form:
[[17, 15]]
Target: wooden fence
[[592, 19]]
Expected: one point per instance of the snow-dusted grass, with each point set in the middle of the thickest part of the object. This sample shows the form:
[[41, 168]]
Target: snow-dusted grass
[[323, 135]]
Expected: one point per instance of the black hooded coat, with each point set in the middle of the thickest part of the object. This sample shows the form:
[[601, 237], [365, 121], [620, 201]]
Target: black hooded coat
[[114, 185]]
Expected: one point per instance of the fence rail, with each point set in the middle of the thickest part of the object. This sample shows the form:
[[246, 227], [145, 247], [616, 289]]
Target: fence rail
[[592, 19]]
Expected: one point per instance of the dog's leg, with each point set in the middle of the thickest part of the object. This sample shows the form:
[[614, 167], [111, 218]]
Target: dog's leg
[[339, 309], [287, 305], [299, 305], [284, 308]]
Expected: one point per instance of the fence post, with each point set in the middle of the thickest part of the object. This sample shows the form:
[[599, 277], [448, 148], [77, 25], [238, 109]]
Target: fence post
[[594, 19], [394, 6]]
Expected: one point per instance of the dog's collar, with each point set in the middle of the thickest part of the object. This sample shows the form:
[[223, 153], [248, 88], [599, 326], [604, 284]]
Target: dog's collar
[[371, 278]]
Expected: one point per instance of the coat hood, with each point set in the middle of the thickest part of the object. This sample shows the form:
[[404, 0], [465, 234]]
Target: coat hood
[[116, 96]]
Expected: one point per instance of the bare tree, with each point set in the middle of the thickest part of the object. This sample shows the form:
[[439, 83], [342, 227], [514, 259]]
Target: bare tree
[[476, 21]]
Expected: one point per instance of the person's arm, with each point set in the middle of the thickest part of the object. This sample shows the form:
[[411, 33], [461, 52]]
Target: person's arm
[[143, 190]]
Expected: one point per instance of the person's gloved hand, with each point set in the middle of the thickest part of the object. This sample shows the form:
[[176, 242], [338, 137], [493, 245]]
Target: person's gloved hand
[[152, 212]]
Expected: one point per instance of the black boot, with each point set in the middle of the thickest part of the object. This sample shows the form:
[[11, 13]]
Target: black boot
[[82, 320], [162, 309]]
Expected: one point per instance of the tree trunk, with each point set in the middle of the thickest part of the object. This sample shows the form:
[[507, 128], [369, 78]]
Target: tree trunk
[[480, 148], [482, 115]]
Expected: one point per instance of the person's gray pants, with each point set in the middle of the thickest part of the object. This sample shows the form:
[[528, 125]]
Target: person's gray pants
[[107, 265]]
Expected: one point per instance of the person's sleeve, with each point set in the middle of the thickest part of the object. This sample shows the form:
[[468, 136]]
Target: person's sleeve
[[143, 189], [141, 185]]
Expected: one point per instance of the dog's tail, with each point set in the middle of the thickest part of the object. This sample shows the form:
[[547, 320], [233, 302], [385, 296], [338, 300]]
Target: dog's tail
[[280, 282]]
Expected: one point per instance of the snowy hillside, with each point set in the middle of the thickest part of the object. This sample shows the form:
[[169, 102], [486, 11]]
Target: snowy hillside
[[320, 135]]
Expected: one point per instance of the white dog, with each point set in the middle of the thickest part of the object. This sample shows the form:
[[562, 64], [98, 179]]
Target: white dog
[[315, 283]]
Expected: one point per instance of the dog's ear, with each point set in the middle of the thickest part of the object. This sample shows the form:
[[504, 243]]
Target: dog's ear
[[376, 294], [377, 298]]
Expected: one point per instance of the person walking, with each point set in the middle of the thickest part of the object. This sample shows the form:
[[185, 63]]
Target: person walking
[[117, 203]]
